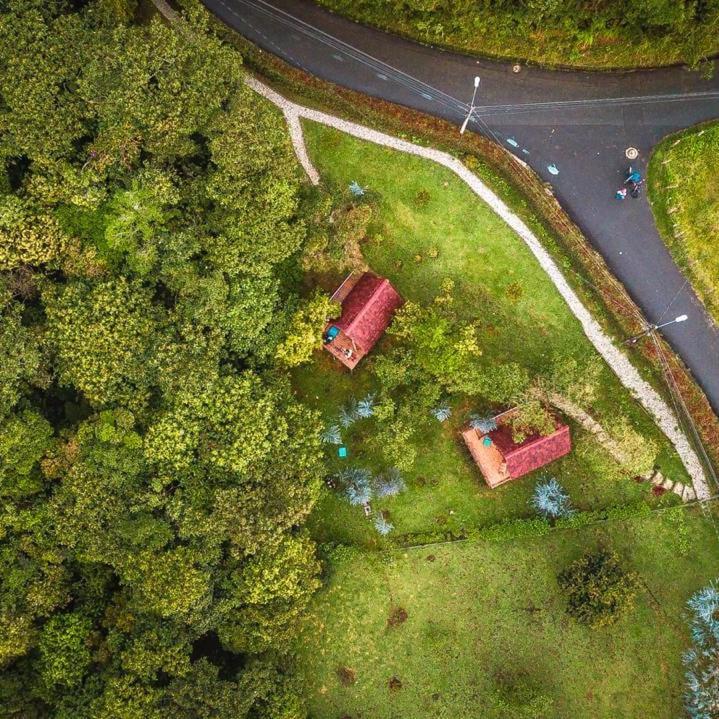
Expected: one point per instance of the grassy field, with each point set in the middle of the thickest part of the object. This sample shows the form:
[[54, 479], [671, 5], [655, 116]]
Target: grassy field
[[504, 32], [482, 614], [484, 258], [684, 192]]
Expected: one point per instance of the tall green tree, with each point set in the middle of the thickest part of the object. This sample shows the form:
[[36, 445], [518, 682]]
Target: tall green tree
[[102, 336], [21, 357]]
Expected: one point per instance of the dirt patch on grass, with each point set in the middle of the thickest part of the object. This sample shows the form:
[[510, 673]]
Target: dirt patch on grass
[[394, 684], [346, 676], [397, 616]]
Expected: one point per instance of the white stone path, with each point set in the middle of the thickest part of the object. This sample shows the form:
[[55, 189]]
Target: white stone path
[[616, 359]]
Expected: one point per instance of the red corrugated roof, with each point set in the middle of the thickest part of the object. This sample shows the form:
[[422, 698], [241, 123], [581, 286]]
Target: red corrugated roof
[[368, 309], [534, 452]]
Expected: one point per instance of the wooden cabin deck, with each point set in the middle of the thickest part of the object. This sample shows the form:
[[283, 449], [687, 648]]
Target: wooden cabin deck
[[489, 459], [339, 347]]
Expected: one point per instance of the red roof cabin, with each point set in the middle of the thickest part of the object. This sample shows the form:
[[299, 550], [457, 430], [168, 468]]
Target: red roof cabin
[[368, 305], [501, 459]]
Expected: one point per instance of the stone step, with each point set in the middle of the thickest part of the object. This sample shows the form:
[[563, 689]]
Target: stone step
[[657, 479]]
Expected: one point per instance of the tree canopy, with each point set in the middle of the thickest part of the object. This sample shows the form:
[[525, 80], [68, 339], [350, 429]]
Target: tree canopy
[[156, 469]]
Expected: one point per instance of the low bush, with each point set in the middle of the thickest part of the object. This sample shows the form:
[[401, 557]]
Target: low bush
[[598, 589]]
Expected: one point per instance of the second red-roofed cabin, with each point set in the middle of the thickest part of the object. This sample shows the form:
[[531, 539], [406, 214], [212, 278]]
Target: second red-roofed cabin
[[368, 306], [501, 459]]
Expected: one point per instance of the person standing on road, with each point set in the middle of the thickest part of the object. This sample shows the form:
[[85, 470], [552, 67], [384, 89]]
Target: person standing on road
[[621, 193], [634, 181]]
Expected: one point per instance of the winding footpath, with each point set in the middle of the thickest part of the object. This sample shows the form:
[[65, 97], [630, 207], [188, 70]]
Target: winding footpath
[[572, 128]]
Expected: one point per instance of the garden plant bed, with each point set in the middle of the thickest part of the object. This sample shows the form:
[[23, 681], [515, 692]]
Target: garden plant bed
[[521, 317]]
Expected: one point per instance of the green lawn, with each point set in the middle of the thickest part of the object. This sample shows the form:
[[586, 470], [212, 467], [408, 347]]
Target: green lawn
[[684, 192], [483, 256], [481, 613]]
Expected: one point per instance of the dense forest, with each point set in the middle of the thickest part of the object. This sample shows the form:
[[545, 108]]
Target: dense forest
[[583, 32], [155, 468]]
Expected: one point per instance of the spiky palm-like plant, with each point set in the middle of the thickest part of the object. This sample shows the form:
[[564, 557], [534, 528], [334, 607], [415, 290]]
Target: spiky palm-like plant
[[390, 484], [357, 484], [701, 698], [551, 500], [332, 435], [442, 412], [348, 414], [365, 407], [382, 525], [705, 603], [481, 423], [356, 189]]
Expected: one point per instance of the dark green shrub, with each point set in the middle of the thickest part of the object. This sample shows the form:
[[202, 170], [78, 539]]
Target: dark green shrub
[[598, 589], [422, 198]]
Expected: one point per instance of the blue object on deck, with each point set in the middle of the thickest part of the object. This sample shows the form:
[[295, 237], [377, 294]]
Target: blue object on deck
[[342, 452], [486, 441], [332, 332]]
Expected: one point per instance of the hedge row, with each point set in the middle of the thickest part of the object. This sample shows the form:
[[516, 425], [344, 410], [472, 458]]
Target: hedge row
[[524, 528]]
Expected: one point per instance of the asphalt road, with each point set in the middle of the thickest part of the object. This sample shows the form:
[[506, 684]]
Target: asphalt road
[[572, 128]]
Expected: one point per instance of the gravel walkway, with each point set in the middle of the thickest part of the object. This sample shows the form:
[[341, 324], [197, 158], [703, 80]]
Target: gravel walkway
[[616, 359]]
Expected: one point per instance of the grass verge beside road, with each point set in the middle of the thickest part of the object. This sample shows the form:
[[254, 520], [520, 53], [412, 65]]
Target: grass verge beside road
[[684, 193], [597, 38]]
